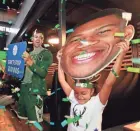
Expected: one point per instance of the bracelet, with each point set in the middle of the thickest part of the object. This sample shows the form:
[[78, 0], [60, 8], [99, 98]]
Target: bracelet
[[114, 73]]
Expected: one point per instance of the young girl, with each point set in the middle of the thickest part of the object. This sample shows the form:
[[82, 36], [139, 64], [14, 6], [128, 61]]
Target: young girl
[[84, 105]]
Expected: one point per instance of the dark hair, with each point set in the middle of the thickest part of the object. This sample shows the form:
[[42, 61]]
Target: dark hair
[[105, 12]]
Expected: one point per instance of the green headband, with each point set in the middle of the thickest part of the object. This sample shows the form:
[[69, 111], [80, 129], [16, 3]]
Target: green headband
[[84, 85]]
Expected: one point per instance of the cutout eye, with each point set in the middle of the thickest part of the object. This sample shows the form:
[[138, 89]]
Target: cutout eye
[[74, 40], [103, 32]]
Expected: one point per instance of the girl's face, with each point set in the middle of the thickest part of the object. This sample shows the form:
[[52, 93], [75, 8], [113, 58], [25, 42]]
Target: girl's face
[[83, 95]]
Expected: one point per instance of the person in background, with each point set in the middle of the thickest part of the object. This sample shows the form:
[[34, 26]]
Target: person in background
[[33, 85]]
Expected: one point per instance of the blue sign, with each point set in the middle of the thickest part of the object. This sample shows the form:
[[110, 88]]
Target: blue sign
[[14, 61]]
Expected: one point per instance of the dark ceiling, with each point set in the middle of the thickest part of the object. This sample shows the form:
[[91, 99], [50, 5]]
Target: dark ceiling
[[77, 10], [12, 4], [44, 14]]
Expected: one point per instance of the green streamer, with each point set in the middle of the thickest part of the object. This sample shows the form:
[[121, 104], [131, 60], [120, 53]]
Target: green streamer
[[65, 100], [4, 1], [134, 70], [119, 34], [135, 41], [114, 73], [136, 60]]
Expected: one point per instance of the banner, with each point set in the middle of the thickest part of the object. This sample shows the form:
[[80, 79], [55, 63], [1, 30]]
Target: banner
[[14, 61]]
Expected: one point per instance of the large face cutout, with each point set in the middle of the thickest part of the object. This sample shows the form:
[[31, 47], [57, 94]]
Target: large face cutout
[[82, 61]]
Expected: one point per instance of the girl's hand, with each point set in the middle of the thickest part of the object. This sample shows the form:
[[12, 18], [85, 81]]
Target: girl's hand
[[124, 45]]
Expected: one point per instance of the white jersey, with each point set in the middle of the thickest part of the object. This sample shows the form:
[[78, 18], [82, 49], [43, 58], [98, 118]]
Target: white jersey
[[91, 114]]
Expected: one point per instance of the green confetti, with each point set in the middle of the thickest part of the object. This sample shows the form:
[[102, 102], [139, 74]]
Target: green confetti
[[70, 120], [86, 125], [61, 1], [10, 22], [65, 100], [2, 107], [132, 69], [1, 33], [119, 34], [52, 123], [38, 20], [46, 45], [136, 60], [38, 126], [4, 1], [35, 90], [61, 10], [26, 34], [69, 31], [73, 120], [18, 94], [57, 26], [114, 73], [64, 123], [135, 41]]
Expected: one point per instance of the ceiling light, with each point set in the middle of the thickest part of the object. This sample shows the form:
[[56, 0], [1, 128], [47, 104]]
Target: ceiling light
[[30, 42], [53, 40]]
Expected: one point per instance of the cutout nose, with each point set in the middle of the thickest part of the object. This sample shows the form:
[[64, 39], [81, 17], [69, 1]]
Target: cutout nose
[[85, 43]]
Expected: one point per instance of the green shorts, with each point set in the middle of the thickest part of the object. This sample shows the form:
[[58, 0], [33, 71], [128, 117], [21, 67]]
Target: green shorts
[[30, 106]]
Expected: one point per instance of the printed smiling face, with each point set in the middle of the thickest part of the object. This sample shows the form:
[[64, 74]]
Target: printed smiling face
[[100, 49]]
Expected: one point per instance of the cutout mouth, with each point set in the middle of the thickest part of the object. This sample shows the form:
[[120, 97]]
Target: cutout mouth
[[86, 57]]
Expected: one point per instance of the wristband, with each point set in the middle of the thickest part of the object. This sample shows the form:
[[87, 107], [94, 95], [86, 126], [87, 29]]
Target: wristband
[[114, 73]]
